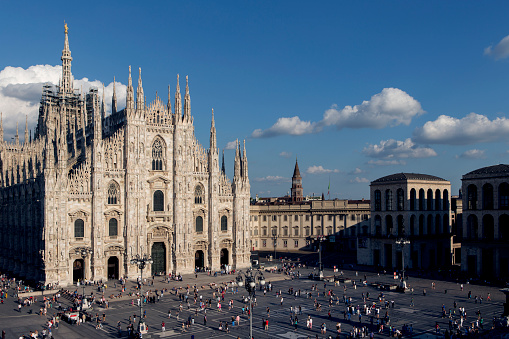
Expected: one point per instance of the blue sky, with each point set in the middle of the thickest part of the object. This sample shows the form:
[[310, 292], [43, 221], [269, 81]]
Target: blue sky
[[355, 90]]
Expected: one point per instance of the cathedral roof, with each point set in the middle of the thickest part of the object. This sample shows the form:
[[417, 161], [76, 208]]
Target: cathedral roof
[[490, 171], [407, 176]]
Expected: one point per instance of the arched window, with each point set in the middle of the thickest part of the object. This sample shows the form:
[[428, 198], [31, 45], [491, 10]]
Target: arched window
[[438, 222], [388, 200], [429, 201], [487, 197], [445, 200], [445, 224], [401, 199], [388, 225], [79, 228], [430, 225], [113, 227], [472, 197], [224, 223], [472, 227], [378, 200], [503, 196], [412, 199], [421, 224], [199, 224], [401, 226], [488, 227], [157, 155], [438, 205], [113, 193], [378, 225], [158, 201], [422, 200], [412, 225], [198, 194], [503, 227]]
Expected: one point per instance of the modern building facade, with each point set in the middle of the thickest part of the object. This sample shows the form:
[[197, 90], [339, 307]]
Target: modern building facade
[[89, 192], [486, 222], [410, 206], [297, 222]]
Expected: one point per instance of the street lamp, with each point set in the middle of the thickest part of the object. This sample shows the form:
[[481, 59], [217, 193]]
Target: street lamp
[[83, 252], [320, 239], [249, 279], [274, 238], [141, 262], [402, 241]]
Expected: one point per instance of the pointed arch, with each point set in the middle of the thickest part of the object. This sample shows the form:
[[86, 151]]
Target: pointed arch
[[158, 153], [199, 194], [113, 193]]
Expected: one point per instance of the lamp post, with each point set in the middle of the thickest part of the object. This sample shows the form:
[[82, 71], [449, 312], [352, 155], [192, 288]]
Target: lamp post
[[320, 239], [402, 241], [141, 262], [83, 252], [249, 280], [274, 238]]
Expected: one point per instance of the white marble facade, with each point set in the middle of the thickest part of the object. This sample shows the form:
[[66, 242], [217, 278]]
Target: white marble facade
[[135, 181]]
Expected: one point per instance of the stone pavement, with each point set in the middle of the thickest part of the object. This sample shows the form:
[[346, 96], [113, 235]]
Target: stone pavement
[[423, 316]]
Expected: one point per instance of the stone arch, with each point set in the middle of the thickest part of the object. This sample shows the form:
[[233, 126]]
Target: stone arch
[[412, 199], [113, 193], [158, 153], [487, 196], [472, 197], [199, 194]]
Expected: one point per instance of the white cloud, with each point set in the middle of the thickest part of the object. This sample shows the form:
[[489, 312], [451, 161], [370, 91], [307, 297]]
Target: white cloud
[[272, 179], [231, 145], [390, 107], [21, 89], [291, 126], [389, 149], [357, 170], [320, 170], [359, 180], [386, 162], [500, 51], [472, 129], [473, 154], [285, 154]]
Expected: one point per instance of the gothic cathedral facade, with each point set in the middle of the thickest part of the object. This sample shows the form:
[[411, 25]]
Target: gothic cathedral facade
[[89, 192]]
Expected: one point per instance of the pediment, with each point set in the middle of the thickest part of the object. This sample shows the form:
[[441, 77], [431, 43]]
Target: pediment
[[79, 214], [157, 178], [113, 212]]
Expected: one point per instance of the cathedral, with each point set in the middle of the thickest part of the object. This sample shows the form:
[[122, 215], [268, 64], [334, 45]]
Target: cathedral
[[90, 191]]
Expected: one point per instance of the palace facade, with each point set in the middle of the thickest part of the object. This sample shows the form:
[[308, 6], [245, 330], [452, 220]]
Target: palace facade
[[89, 192]]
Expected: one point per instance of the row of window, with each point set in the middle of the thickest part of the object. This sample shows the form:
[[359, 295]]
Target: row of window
[[353, 217], [434, 225], [488, 197], [285, 231], [79, 226], [488, 227], [285, 243], [426, 201]]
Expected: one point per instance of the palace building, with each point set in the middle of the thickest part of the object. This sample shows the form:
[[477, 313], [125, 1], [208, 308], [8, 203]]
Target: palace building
[[90, 191]]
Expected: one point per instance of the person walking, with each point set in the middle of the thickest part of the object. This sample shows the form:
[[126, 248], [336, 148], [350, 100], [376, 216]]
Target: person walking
[[163, 326]]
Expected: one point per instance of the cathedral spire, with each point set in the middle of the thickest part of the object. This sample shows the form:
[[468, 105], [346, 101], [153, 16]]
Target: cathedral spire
[[129, 105], [236, 165], [213, 134], [26, 131], [1, 127], [103, 107], [114, 99], [187, 102], [16, 138], [66, 81], [244, 162], [169, 100], [222, 166], [140, 105], [178, 102]]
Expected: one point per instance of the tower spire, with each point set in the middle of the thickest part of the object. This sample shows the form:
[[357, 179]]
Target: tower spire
[[169, 100], [297, 191], [213, 134], [140, 105], [114, 99], [26, 130], [66, 81], [16, 138], [187, 102], [222, 166], [178, 101], [129, 105]]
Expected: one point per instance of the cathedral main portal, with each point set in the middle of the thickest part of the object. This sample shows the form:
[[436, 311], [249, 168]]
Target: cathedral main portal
[[159, 258]]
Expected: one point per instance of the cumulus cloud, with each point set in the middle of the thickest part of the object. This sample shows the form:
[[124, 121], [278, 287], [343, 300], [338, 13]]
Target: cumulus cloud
[[390, 107], [359, 180], [231, 145], [500, 51], [388, 149], [320, 170], [291, 126], [21, 89], [473, 154], [386, 162], [285, 154], [272, 179], [357, 170], [472, 129]]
